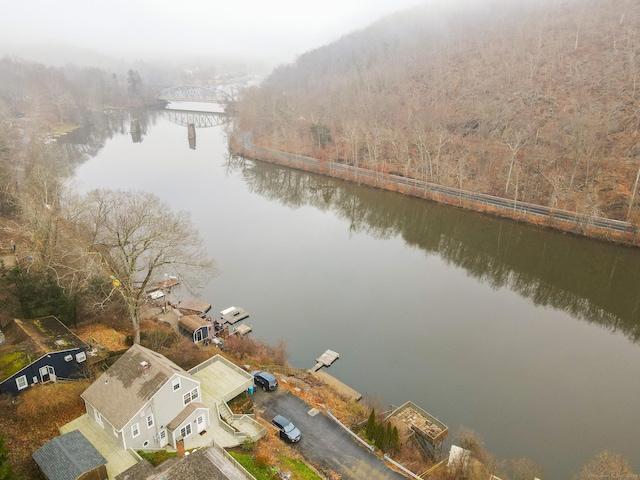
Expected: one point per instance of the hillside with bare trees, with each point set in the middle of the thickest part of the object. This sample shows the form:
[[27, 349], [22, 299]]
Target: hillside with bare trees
[[533, 101]]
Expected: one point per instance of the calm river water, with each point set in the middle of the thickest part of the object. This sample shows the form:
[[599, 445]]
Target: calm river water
[[527, 336]]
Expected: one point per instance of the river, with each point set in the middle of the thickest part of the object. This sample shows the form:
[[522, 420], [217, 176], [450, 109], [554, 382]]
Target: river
[[527, 336]]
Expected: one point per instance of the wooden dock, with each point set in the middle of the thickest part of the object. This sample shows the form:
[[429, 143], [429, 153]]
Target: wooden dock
[[241, 330], [325, 360], [233, 315]]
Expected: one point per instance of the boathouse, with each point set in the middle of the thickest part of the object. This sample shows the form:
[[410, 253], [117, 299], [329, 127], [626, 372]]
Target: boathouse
[[196, 328]]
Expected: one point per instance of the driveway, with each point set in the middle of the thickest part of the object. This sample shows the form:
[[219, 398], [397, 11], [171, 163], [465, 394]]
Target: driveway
[[323, 441]]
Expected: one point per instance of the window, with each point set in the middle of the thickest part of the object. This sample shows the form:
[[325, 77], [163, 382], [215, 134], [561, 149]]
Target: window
[[135, 430], [98, 417], [81, 357], [21, 382], [68, 358], [146, 443], [176, 384], [185, 431], [190, 396], [150, 422]]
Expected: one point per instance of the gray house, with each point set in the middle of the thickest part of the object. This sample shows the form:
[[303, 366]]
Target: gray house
[[146, 401], [70, 457]]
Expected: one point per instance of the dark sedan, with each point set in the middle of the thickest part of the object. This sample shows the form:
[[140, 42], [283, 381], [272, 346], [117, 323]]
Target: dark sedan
[[288, 431]]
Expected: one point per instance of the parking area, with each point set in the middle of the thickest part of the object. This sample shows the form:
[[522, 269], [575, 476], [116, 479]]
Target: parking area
[[323, 442]]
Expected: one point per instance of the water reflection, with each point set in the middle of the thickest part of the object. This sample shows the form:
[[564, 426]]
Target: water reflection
[[191, 136], [591, 280]]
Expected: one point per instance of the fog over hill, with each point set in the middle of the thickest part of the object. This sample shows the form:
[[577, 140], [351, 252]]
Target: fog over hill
[[534, 101]]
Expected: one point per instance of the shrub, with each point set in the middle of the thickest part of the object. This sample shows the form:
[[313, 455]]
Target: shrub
[[248, 444]]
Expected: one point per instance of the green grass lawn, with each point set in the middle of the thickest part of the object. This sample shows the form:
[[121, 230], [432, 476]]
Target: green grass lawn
[[267, 472]]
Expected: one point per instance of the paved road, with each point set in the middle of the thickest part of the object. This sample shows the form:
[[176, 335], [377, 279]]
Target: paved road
[[323, 442]]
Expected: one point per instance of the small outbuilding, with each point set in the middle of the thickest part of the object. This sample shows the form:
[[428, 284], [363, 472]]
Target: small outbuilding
[[70, 457], [196, 328]]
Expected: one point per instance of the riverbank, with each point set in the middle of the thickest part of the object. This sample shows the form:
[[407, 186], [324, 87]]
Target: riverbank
[[599, 228]]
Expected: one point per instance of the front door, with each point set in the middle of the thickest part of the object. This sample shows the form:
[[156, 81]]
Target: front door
[[164, 439], [47, 374], [199, 335], [201, 425]]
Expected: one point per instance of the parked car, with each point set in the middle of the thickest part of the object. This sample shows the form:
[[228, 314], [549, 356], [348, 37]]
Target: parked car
[[288, 431], [264, 380]]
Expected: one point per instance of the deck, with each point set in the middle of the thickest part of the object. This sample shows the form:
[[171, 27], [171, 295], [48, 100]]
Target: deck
[[233, 315], [325, 360], [421, 422]]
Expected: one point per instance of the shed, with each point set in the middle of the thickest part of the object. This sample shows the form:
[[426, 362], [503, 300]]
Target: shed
[[198, 329], [70, 457]]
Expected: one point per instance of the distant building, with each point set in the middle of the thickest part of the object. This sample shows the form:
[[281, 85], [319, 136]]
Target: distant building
[[39, 351]]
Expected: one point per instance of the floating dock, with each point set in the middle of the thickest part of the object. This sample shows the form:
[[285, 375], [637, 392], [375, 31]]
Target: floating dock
[[233, 315], [325, 360], [241, 330]]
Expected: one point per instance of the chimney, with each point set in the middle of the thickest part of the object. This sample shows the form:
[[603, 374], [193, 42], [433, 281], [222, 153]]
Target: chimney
[[144, 368]]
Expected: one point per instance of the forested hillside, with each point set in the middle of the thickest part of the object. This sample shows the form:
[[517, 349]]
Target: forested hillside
[[534, 101]]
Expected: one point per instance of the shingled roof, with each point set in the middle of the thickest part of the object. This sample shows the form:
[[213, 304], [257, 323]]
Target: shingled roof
[[120, 392], [28, 340], [67, 457], [196, 466]]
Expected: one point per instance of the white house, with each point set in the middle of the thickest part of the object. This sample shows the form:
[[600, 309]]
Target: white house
[[146, 401]]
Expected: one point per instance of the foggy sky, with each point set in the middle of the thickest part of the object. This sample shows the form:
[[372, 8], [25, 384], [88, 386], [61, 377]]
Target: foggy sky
[[273, 31]]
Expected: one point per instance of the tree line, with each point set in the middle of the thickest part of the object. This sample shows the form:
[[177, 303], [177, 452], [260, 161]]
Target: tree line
[[536, 102], [73, 254]]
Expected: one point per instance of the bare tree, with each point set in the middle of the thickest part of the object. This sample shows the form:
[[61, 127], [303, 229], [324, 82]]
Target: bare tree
[[605, 464], [138, 238]]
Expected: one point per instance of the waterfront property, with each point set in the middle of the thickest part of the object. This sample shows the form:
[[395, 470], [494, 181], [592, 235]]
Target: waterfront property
[[196, 328], [146, 402], [39, 351]]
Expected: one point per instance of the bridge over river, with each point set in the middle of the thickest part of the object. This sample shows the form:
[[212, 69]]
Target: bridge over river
[[200, 94]]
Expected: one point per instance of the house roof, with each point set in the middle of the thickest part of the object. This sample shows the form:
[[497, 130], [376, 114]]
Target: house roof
[[196, 466], [28, 340], [120, 392], [192, 322], [184, 414], [67, 456]]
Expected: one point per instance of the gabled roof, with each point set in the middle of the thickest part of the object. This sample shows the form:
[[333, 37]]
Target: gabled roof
[[67, 457], [28, 340], [184, 414], [192, 322], [120, 392], [196, 466]]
